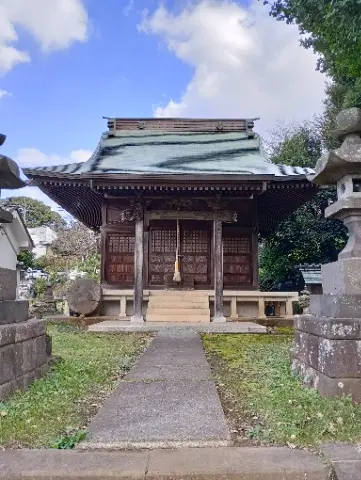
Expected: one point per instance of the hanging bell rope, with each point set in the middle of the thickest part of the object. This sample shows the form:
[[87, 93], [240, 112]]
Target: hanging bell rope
[[177, 276]]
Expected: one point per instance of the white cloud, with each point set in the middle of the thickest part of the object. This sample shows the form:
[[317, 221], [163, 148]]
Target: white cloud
[[55, 25], [32, 157], [4, 93], [128, 7], [245, 63]]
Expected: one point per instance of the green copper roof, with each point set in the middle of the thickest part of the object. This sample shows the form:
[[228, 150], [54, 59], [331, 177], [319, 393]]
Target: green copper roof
[[165, 152]]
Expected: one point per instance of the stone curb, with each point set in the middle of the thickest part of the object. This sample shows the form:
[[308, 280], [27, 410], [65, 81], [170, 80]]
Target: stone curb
[[345, 460], [228, 463]]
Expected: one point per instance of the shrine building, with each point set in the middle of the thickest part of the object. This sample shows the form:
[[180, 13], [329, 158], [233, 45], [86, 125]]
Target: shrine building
[[180, 204]]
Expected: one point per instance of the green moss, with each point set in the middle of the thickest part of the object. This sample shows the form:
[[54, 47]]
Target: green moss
[[285, 330], [254, 371], [61, 404]]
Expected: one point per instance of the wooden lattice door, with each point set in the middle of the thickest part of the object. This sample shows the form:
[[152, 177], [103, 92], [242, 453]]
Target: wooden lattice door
[[237, 259], [194, 254], [162, 250], [195, 259], [119, 263]]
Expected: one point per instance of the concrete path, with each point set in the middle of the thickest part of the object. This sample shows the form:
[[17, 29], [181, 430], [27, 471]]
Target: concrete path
[[127, 326], [167, 400]]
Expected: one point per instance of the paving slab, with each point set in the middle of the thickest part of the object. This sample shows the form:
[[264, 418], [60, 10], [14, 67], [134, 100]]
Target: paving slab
[[272, 463], [160, 414], [175, 358], [168, 399], [345, 460], [229, 463], [71, 465], [169, 373], [227, 327]]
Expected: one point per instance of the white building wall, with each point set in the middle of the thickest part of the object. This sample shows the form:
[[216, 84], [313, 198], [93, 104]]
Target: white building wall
[[42, 238], [8, 248]]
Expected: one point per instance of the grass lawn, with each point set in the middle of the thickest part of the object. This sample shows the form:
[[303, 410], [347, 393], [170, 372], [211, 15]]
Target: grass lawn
[[265, 404], [57, 408]]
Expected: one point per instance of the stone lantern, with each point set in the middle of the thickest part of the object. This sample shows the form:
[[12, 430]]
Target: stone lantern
[[327, 350], [24, 346]]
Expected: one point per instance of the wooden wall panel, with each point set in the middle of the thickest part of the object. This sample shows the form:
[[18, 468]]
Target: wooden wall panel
[[237, 259], [119, 262]]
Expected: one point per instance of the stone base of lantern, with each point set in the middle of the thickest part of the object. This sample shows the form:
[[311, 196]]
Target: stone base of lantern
[[327, 354], [327, 350]]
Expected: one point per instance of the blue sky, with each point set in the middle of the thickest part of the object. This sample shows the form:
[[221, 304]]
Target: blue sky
[[66, 63]]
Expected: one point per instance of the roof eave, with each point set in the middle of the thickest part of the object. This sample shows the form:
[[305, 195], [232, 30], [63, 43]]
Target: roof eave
[[164, 177]]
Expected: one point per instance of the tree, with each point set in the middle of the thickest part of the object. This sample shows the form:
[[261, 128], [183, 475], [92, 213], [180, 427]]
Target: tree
[[76, 240], [332, 28], [36, 213], [26, 259], [306, 236]]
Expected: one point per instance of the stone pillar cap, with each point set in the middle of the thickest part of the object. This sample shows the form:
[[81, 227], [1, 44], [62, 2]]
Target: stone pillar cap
[[348, 121], [346, 160], [10, 174]]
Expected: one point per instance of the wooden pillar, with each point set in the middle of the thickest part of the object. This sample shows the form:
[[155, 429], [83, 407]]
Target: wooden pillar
[[218, 271], [138, 269]]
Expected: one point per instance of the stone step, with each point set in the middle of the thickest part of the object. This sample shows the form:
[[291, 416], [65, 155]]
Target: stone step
[[175, 317], [178, 299], [178, 305], [178, 293], [179, 311]]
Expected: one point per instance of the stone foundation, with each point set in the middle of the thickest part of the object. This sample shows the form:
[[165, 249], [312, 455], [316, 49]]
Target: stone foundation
[[327, 352], [12, 311], [8, 280], [24, 356]]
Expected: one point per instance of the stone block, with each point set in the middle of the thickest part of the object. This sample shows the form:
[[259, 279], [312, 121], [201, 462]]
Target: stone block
[[336, 306], [43, 370], [40, 351], [7, 284], [308, 349], [13, 311], [7, 364], [7, 334], [25, 356], [337, 387], [49, 345], [27, 379], [30, 329], [340, 358], [7, 389], [327, 386], [342, 277], [331, 328]]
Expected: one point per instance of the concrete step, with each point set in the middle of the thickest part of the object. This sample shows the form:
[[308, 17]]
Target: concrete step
[[175, 317], [233, 463], [179, 311], [178, 293], [179, 298], [178, 305]]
